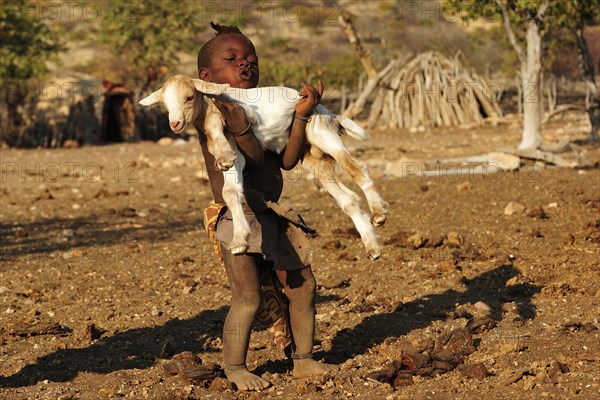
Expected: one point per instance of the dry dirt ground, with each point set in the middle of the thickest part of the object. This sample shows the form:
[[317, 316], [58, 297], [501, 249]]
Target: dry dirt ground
[[112, 237]]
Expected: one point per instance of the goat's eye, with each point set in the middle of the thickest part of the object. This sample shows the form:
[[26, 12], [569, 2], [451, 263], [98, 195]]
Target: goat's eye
[[190, 98]]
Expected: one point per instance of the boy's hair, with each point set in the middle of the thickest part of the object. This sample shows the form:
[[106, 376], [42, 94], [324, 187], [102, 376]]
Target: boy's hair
[[207, 50]]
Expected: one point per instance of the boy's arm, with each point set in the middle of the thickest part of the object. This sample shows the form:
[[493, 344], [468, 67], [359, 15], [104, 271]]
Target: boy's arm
[[294, 150], [236, 123]]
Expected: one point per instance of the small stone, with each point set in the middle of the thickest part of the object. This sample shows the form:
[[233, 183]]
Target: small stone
[[128, 212], [475, 371], [156, 312], [482, 307], [70, 144], [510, 378], [464, 186], [219, 385], [416, 241], [454, 238], [504, 161], [68, 232], [588, 327], [176, 179], [568, 239], [305, 387], [89, 333], [165, 141], [537, 213], [513, 208]]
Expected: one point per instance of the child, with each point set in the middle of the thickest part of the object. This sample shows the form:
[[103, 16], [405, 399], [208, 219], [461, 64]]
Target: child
[[275, 243]]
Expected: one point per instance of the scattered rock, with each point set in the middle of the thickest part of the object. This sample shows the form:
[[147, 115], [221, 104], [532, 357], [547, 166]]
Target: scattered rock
[[333, 245], [475, 371], [219, 385], [344, 283], [71, 144], [189, 286], [587, 327], [508, 378], [306, 387], [482, 307], [165, 141], [481, 324], [189, 367], [416, 241], [504, 161], [513, 208], [464, 186], [128, 212], [453, 238], [537, 213], [429, 359], [535, 232], [90, 333]]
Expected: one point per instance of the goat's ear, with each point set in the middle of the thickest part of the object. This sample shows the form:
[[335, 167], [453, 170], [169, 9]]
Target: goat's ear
[[209, 87], [151, 99]]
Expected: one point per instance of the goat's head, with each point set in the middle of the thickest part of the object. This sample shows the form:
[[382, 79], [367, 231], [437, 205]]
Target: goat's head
[[179, 95]]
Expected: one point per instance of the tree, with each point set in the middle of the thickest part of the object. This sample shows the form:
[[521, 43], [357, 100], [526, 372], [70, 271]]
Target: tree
[[524, 21], [575, 15], [150, 33], [26, 44]]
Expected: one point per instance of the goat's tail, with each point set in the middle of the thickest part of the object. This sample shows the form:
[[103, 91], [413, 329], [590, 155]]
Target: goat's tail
[[352, 129]]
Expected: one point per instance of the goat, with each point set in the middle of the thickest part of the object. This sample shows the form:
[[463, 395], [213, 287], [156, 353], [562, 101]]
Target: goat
[[270, 110]]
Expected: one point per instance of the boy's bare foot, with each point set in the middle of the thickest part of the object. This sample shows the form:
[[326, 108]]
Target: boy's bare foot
[[310, 367], [245, 380]]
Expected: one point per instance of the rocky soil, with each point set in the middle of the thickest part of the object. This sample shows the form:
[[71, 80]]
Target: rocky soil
[[106, 273]]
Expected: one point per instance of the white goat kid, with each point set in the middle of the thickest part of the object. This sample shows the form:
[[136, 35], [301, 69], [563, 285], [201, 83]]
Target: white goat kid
[[270, 110]]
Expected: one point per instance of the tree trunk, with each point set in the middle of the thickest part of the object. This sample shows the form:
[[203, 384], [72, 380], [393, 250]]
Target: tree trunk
[[363, 54], [530, 81], [587, 69]]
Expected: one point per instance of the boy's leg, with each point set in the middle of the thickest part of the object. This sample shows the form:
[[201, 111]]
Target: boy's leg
[[244, 279], [300, 286]]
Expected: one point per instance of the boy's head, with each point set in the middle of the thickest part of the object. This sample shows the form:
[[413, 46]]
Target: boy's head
[[229, 57]]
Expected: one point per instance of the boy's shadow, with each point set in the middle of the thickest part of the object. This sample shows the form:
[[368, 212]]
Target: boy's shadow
[[135, 348], [138, 348], [490, 287]]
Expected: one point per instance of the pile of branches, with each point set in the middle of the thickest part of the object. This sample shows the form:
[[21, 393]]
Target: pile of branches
[[432, 91]]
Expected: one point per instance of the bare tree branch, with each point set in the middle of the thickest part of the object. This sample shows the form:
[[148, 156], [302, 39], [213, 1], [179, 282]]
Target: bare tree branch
[[363, 54], [542, 10], [510, 32]]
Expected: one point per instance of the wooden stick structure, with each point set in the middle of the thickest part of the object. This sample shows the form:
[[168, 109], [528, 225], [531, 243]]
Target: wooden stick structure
[[429, 91]]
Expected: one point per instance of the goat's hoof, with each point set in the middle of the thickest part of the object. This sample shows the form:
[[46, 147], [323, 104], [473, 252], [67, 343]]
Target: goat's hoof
[[378, 219], [374, 254], [223, 164], [238, 249]]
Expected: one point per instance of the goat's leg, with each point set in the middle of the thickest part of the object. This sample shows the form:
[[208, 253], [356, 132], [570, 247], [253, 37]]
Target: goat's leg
[[322, 133], [218, 145], [360, 174], [323, 170], [233, 194]]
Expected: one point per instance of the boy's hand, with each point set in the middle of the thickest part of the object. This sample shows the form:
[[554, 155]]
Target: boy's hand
[[310, 98], [235, 118]]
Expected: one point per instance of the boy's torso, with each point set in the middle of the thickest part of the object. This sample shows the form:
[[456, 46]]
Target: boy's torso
[[266, 179]]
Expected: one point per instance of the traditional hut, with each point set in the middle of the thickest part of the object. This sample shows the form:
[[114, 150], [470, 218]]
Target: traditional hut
[[429, 91]]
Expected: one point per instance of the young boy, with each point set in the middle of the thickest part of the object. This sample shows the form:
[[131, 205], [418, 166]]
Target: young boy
[[230, 57]]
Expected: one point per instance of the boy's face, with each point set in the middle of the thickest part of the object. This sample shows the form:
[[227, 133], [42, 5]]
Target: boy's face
[[234, 61]]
